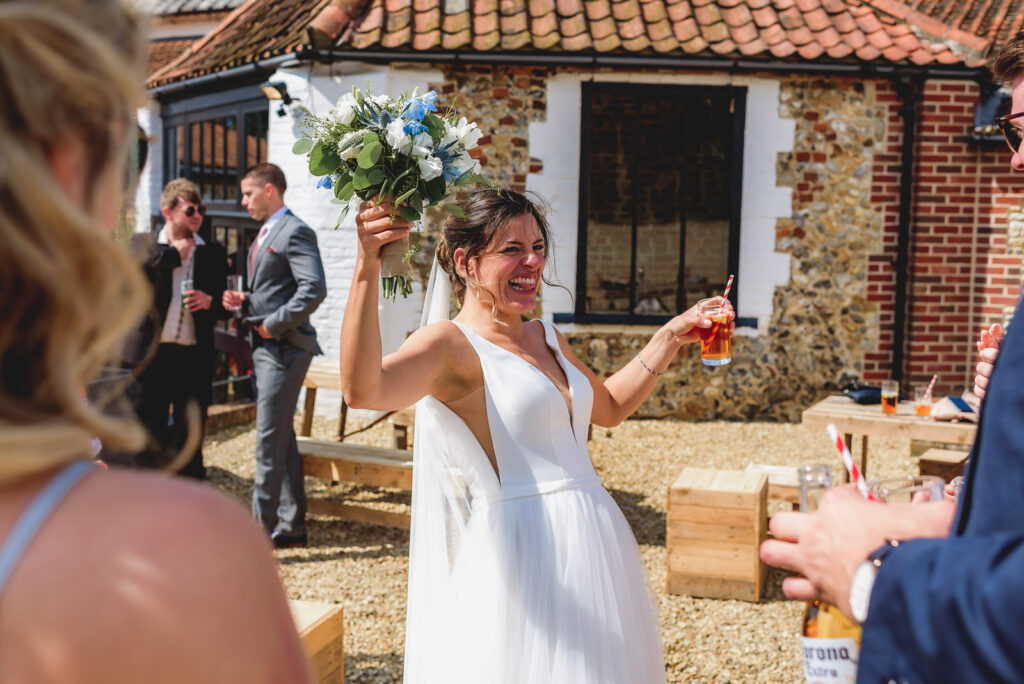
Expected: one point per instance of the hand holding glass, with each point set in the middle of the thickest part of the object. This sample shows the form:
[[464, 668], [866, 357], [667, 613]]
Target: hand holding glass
[[235, 285]]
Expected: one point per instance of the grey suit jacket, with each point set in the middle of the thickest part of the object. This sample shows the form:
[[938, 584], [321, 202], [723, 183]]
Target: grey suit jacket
[[287, 284]]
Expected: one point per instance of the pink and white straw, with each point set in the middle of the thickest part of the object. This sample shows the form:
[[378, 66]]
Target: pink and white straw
[[928, 392], [728, 285], [847, 457]]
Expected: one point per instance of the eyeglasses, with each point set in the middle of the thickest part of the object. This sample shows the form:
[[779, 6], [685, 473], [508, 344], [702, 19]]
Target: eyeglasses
[[1013, 135], [190, 211]]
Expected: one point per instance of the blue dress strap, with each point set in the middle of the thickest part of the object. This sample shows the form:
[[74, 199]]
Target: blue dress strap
[[29, 522]]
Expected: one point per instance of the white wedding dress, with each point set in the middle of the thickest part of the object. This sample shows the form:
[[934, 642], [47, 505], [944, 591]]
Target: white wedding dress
[[530, 575]]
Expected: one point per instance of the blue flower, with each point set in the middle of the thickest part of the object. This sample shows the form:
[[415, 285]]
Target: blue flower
[[447, 156], [325, 182], [418, 108], [413, 128]]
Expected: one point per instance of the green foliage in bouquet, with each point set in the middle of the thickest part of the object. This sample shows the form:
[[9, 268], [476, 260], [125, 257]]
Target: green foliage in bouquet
[[401, 150]]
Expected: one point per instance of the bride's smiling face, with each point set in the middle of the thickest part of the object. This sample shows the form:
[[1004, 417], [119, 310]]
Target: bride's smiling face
[[510, 268]]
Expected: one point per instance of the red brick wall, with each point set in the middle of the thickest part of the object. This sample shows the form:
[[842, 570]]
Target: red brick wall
[[963, 271]]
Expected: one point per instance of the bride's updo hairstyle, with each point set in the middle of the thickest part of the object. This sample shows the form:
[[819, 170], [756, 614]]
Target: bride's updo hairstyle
[[487, 214], [72, 70]]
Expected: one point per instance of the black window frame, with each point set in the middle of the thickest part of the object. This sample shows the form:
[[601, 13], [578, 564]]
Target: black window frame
[[738, 95]]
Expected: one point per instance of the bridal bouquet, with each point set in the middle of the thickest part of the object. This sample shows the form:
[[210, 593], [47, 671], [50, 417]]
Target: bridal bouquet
[[398, 149]]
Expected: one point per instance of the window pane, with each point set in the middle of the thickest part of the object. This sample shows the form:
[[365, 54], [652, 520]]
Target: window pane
[[610, 204], [658, 211], [708, 153], [195, 168], [256, 124], [207, 175], [231, 170]]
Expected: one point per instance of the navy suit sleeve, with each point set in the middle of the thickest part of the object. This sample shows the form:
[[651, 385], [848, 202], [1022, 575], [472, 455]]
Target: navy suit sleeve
[[311, 284], [947, 610]]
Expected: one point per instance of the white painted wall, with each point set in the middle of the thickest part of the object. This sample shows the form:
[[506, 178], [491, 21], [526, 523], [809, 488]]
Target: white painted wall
[[556, 142], [147, 194]]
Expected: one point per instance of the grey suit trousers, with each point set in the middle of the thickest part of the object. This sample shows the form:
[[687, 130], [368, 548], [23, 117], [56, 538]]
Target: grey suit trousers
[[279, 495]]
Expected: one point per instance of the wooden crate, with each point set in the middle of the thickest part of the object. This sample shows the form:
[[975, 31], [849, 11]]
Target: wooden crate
[[322, 629], [716, 522], [946, 463], [341, 461]]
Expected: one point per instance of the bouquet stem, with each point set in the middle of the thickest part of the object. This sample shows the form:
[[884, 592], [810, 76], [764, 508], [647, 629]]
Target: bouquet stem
[[395, 269]]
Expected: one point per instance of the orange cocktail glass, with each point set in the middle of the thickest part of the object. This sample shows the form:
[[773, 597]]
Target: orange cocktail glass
[[714, 341]]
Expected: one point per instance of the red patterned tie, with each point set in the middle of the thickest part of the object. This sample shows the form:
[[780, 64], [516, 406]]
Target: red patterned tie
[[255, 249]]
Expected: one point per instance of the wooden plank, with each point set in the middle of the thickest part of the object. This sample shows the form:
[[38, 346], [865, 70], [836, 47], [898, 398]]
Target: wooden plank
[[736, 517], [325, 374], [712, 587], [359, 513], [685, 529], [944, 463], [348, 451], [718, 488], [377, 475], [686, 561]]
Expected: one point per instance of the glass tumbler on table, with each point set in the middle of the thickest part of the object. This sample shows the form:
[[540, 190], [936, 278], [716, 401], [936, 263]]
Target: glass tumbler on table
[[890, 396], [922, 401]]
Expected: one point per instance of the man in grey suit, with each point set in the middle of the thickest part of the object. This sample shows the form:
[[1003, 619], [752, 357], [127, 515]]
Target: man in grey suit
[[286, 284]]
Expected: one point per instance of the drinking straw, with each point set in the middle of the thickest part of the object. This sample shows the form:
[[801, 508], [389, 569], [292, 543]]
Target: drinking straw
[[928, 392], [725, 294], [851, 467]]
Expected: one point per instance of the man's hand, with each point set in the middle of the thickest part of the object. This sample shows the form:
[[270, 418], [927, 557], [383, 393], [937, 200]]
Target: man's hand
[[262, 331], [824, 548], [988, 349], [232, 300], [197, 300]]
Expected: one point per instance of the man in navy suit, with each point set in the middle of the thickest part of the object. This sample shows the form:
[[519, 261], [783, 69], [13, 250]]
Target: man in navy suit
[[940, 600], [286, 284]]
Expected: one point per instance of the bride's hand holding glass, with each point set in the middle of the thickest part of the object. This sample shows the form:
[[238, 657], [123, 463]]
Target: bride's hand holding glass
[[684, 327]]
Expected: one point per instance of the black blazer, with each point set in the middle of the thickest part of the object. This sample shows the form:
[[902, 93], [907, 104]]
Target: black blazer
[[209, 275]]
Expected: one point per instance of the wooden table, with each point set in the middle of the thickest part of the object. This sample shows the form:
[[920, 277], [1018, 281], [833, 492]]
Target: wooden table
[[851, 418]]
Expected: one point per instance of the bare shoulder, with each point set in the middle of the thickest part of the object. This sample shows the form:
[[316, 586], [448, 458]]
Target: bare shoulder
[[162, 579]]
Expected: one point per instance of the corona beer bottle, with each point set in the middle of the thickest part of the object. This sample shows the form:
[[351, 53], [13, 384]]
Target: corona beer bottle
[[831, 641]]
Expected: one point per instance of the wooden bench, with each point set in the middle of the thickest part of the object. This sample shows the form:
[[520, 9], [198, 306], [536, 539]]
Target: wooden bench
[[375, 466], [321, 627], [716, 522], [946, 463]]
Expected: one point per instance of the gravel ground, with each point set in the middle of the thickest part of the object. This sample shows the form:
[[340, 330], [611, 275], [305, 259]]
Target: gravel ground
[[364, 567]]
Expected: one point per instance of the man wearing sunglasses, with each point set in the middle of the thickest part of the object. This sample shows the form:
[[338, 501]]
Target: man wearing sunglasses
[[941, 598], [181, 371]]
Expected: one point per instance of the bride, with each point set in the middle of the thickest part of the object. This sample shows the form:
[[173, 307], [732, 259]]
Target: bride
[[522, 568]]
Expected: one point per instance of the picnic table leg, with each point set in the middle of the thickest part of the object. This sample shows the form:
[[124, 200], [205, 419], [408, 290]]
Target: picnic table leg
[[863, 465], [307, 412], [848, 439]]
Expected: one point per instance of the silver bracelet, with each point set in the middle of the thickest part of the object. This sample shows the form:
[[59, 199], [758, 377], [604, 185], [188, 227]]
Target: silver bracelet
[[648, 368]]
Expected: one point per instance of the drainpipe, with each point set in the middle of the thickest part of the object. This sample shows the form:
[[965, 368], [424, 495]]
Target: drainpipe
[[909, 88]]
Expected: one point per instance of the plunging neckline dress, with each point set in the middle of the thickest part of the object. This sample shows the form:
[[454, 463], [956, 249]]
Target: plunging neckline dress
[[531, 574]]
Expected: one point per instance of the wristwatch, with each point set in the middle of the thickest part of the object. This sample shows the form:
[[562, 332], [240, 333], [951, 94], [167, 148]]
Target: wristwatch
[[864, 580]]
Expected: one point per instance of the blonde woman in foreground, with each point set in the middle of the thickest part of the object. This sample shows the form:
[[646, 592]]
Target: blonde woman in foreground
[[105, 576]]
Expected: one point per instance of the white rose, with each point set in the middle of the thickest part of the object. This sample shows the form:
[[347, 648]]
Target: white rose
[[471, 136], [422, 145], [381, 100], [464, 163], [396, 137], [345, 110], [451, 135], [430, 167]]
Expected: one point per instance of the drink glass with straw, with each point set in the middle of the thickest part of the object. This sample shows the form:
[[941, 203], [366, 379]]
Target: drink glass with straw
[[923, 399], [714, 341], [851, 467]]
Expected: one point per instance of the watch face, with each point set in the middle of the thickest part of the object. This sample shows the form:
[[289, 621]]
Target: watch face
[[860, 590]]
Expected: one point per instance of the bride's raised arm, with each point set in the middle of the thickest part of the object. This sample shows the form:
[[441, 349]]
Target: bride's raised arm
[[368, 379], [620, 395]]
